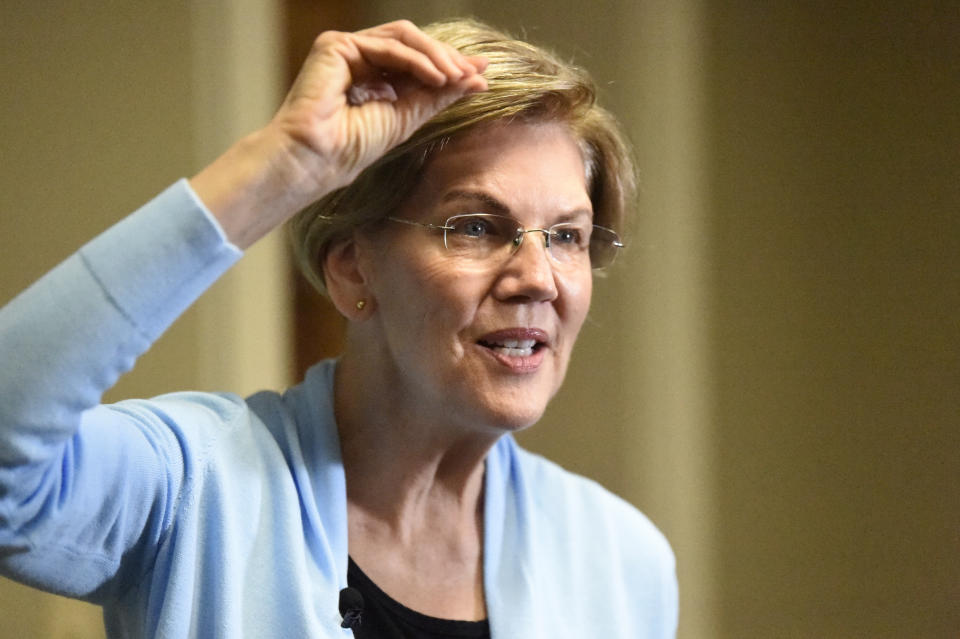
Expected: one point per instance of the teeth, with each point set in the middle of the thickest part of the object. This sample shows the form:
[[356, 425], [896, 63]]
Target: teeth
[[524, 344], [514, 352], [514, 347]]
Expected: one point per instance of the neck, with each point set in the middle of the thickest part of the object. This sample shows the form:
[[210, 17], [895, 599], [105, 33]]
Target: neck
[[414, 489], [401, 465]]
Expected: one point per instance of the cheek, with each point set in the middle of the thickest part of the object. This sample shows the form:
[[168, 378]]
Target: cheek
[[399, 273], [427, 291], [452, 301], [576, 294]]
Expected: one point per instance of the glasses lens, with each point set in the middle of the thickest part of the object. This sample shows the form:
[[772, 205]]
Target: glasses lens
[[481, 235], [478, 235], [604, 246], [570, 242]]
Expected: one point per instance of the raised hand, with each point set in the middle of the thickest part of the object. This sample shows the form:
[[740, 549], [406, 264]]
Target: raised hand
[[356, 96], [360, 94]]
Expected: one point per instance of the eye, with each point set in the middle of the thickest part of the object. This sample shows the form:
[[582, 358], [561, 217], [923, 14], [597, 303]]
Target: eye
[[474, 227], [568, 236], [477, 226]]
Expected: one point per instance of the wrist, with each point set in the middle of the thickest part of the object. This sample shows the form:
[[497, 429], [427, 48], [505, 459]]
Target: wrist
[[257, 184]]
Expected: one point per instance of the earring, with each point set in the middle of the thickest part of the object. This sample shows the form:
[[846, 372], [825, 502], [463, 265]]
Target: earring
[[361, 304]]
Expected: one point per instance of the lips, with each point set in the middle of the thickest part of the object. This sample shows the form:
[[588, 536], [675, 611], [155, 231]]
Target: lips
[[513, 347], [520, 349]]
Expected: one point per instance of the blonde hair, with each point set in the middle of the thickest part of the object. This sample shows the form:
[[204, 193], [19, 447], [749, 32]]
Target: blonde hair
[[526, 83]]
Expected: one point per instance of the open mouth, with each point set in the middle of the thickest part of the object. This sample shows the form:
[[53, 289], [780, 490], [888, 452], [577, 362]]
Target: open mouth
[[513, 347], [515, 343]]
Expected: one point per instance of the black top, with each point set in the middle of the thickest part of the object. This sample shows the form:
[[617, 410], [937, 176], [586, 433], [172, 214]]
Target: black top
[[385, 618]]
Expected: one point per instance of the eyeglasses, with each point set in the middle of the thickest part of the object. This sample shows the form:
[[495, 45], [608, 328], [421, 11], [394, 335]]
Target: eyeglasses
[[482, 236]]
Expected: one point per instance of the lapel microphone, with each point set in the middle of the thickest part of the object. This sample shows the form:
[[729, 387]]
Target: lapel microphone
[[351, 607]]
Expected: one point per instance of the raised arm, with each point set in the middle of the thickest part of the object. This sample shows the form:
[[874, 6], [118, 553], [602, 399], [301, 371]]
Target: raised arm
[[357, 96]]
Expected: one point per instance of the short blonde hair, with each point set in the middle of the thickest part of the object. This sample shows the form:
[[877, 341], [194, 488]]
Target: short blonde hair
[[525, 83]]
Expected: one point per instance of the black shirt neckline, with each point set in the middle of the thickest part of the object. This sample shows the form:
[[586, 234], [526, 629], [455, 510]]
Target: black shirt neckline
[[383, 611]]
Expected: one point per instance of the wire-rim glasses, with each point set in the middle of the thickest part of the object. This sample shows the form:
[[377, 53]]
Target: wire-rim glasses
[[482, 236]]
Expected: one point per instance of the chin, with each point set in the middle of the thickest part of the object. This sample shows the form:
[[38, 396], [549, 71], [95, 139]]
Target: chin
[[512, 421], [506, 403]]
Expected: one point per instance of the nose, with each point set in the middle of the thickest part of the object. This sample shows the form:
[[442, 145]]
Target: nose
[[528, 274]]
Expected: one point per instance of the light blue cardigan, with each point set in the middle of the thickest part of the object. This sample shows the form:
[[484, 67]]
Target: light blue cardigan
[[210, 516]]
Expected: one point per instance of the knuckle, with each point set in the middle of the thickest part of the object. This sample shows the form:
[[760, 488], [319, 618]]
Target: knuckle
[[328, 38], [404, 24]]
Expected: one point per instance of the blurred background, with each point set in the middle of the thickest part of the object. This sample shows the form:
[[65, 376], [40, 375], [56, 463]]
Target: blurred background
[[771, 373]]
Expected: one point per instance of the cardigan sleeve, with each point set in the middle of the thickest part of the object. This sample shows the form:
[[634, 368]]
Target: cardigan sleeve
[[82, 485]]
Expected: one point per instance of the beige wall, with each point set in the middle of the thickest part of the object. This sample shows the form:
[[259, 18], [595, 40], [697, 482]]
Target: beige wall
[[771, 372], [833, 141]]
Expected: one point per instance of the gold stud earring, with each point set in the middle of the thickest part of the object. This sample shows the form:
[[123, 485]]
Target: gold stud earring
[[361, 304]]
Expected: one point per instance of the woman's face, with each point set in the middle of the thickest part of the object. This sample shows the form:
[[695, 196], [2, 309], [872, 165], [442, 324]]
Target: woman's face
[[484, 344]]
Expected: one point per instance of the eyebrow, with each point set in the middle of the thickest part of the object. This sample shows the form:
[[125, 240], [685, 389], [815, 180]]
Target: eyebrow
[[491, 202], [496, 206]]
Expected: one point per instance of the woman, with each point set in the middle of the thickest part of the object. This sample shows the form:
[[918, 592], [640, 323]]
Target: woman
[[459, 241]]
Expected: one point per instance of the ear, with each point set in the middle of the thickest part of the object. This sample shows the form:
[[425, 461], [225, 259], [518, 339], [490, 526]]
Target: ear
[[347, 280]]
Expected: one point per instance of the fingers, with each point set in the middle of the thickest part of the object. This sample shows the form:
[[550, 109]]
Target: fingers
[[401, 46], [446, 59], [359, 94], [389, 55]]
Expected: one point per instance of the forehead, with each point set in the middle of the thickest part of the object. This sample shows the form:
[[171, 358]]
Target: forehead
[[531, 168]]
